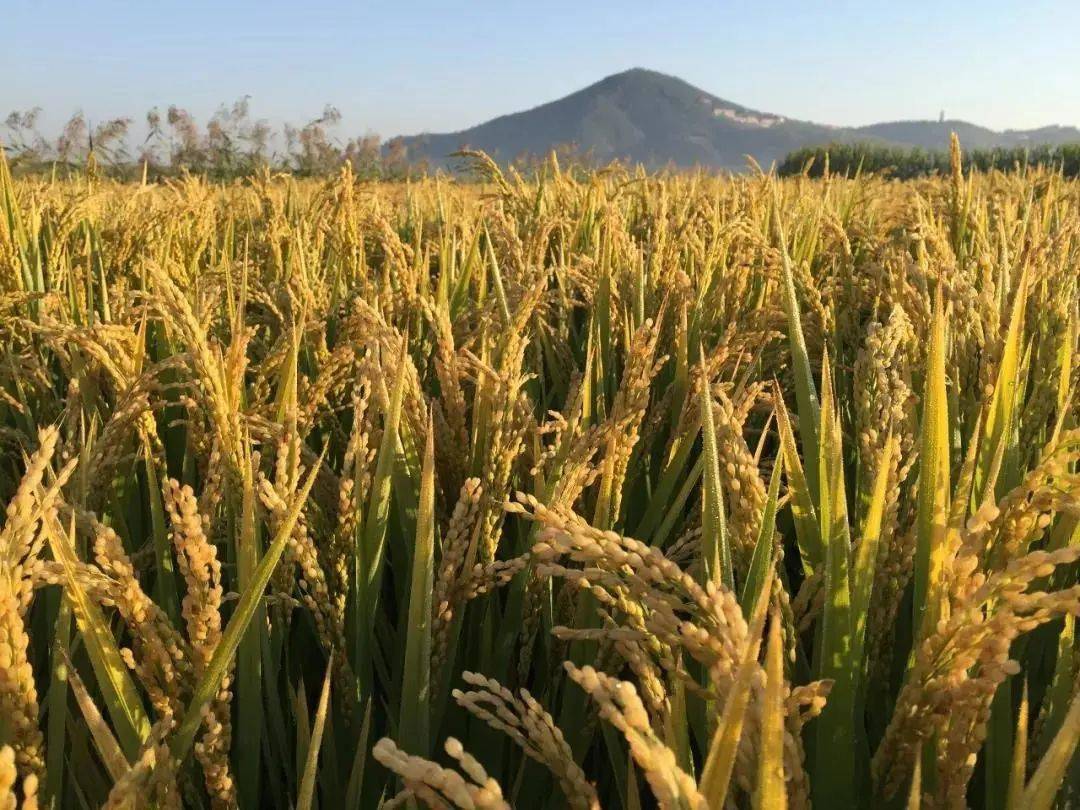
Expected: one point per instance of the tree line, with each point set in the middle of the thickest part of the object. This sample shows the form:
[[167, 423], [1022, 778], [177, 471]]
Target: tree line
[[905, 163]]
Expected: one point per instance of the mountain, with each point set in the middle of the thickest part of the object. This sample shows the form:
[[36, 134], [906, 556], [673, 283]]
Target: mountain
[[935, 134], [647, 117]]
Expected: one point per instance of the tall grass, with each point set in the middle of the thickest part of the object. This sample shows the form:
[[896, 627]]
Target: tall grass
[[614, 491]]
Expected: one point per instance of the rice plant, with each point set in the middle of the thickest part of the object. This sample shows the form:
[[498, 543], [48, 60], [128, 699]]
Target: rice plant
[[613, 490]]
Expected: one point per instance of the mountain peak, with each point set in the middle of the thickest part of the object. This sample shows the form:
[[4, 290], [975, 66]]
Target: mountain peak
[[645, 116], [640, 74]]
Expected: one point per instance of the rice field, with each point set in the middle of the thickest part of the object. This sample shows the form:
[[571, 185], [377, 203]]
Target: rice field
[[606, 490]]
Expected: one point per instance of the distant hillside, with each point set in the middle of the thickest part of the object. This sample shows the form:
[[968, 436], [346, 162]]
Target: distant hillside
[[935, 134], [650, 118]]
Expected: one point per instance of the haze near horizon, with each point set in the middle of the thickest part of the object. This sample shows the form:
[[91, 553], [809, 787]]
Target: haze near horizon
[[440, 69]]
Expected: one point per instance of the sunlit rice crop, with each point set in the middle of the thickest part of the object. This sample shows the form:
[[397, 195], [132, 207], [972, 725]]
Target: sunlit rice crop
[[618, 490]]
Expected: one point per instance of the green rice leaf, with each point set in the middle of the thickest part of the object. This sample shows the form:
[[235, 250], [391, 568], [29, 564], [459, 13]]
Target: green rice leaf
[[305, 796], [414, 724], [715, 549], [1046, 781], [764, 550], [771, 792], [932, 500], [121, 697]]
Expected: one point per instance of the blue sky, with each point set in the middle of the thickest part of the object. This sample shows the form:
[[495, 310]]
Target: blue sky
[[406, 67]]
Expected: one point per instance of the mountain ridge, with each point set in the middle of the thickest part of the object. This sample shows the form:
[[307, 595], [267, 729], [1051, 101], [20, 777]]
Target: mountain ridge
[[647, 117]]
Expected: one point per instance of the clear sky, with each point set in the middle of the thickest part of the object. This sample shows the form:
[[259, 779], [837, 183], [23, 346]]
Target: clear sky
[[404, 67]]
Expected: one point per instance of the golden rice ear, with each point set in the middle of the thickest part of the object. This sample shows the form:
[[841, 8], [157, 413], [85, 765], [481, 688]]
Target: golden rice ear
[[438, 786], [8, 775], [221, 660], [530, 726], [715, 779], [525, 460], [152, 777], [620, 705]]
